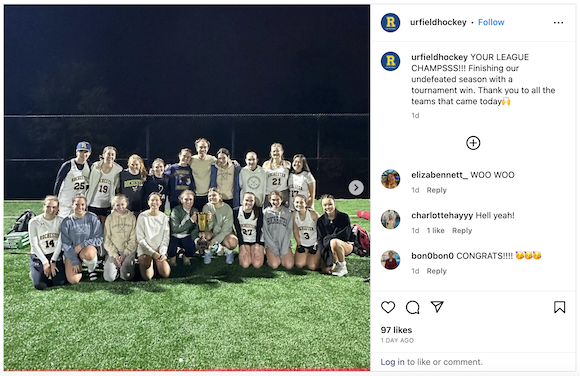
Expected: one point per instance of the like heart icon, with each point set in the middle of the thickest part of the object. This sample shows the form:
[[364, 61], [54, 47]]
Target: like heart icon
[[388, 306]]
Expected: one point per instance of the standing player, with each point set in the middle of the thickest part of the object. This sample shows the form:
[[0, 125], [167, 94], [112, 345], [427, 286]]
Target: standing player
[[103, 182], [120, 241], [301, 181], [220, 225], [153, 239], [253, 179], [277, 232], [73, 178], [180, 177], [201, 168], [277, 172], [157, 182], [248, 221], [225, 177], [132, 180], [82, 235], [46, 266], [333, 232], [305, 234]]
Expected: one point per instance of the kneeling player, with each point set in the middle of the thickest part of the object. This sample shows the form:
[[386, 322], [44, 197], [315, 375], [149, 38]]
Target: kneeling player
[[219, 232], [82, 235], [153, 239], [46, 266], [120, 241], [184, 228], [278, 232], [305, 234], [248, 224]]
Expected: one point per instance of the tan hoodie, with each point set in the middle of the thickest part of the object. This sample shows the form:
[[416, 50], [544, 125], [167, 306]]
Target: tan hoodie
[[120, 234]]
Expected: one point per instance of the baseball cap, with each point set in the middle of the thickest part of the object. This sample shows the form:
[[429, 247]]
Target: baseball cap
[[83, 145]]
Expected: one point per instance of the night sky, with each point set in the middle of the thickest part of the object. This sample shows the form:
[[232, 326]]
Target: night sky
[[162, 60], [186, 59]]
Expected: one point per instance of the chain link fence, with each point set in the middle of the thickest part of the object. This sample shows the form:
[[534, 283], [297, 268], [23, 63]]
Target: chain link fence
[[337, 146]]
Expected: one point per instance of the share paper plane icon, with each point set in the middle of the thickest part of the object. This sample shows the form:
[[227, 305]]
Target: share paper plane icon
[[437, 304]]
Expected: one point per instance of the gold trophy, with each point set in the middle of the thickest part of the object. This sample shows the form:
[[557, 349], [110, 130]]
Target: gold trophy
[[202, 221], [202, 244]]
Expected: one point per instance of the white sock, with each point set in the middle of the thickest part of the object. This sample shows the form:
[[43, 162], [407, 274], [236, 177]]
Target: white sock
[[91, 264], [228, 251]]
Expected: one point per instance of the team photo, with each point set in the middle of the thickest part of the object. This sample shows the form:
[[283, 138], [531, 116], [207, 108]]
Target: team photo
[[176, 188]]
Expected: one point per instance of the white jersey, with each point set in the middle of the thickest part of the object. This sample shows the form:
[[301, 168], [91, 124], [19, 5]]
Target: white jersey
[[253, 181], [298, 184], [306, 228], [102, 198], [276, 178], [45, 237], [76, 181], [249, 227]]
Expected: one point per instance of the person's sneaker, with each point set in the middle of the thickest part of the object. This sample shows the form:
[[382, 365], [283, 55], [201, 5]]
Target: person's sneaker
[[207, 257], [173, 261], [230, 258], [186, 260], [337, 268], [93, 276], [340, 269]]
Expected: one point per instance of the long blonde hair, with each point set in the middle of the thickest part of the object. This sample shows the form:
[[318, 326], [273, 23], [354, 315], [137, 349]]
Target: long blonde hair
[[142, 170]]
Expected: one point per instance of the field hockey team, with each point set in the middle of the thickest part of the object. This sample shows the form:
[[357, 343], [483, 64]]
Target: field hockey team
[[106, 213]]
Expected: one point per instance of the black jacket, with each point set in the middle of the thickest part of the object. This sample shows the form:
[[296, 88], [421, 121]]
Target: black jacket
[[339, 228]]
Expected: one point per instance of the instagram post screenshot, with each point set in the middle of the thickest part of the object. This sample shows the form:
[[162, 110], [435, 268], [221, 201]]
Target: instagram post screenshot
[[189, 187], [181, 186], [473, 179]]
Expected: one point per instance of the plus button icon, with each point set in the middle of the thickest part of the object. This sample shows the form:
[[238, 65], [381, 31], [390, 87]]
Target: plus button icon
[[473, 142]]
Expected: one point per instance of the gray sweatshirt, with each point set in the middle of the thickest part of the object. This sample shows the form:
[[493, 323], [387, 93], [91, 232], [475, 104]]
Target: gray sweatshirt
[[277, 229], [222, 223], [84, 231]]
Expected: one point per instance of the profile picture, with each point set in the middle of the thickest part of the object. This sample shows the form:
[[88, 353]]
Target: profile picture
[[390, 179], [390, 260], [390, 219]]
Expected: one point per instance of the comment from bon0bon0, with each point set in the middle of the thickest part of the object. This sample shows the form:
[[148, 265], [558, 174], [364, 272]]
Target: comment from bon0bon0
[[473, 142]]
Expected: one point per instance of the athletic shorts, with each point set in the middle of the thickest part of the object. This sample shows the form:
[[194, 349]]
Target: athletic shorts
[[302, 249], [253, 244], [100, 211]]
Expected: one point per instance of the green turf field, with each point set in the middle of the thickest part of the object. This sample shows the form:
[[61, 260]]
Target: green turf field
[[215, 316]]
